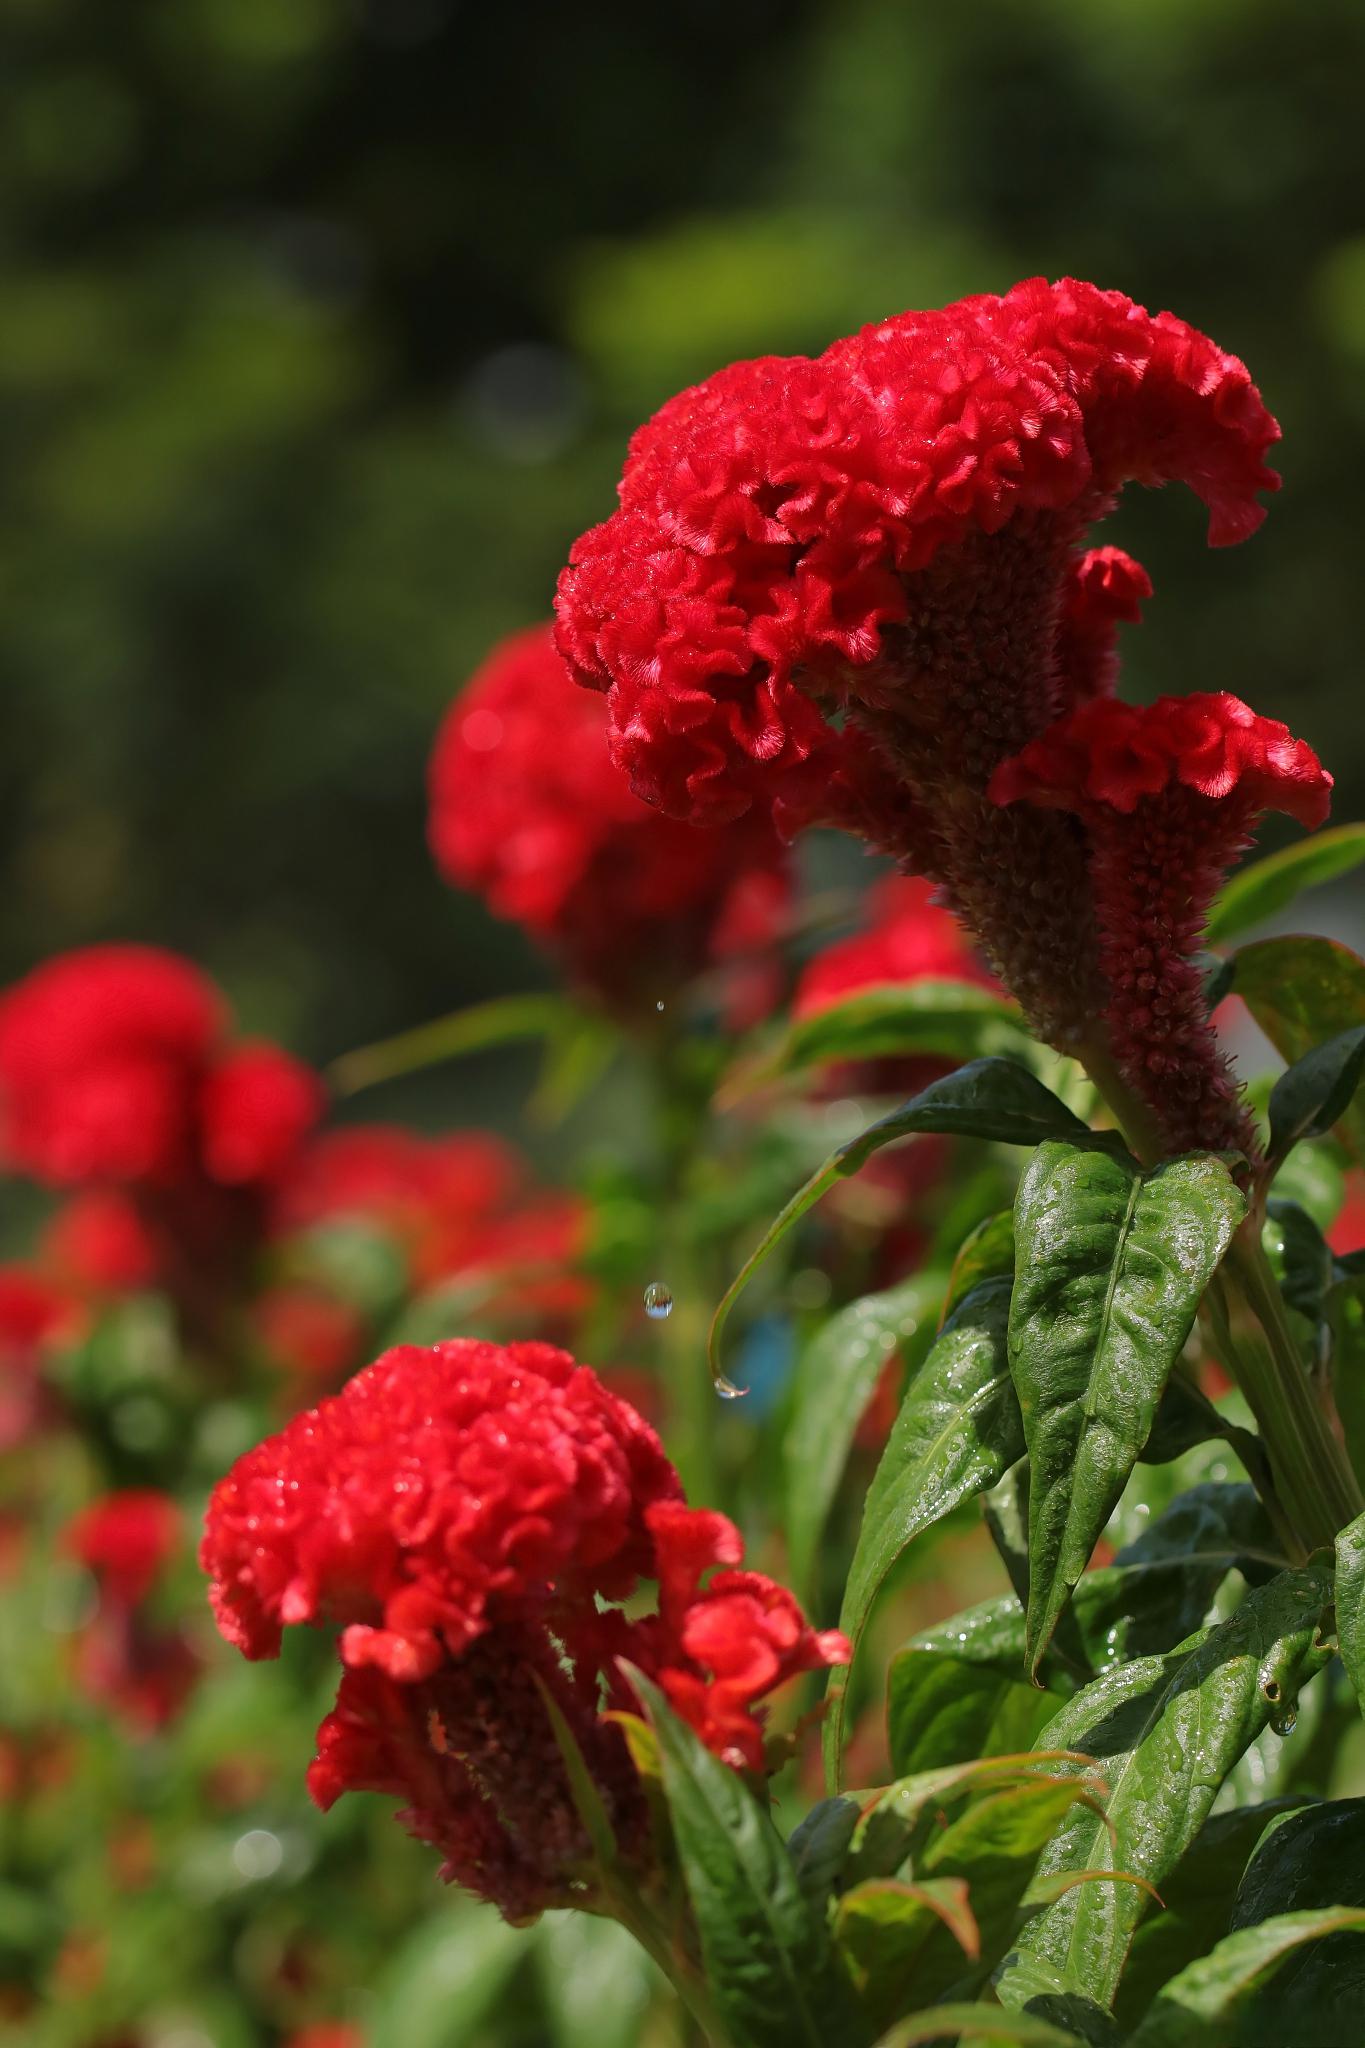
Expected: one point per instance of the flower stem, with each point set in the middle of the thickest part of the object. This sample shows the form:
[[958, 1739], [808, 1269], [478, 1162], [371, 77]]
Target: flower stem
[[1312, 1472]]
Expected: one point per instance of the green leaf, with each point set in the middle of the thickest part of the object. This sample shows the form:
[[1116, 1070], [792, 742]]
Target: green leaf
[[1198, 1897], [943, 1709], [987, 1099], [987, 2025], [1164, 1732], [957, 1432], [1258, 891], [1309, 1861], [987, 1253], [1351, 1604], [771, 1969], [818, 1846], [1111, 1265], [834, 1380], [953, 1019], [1029, 1986], [883, 1927], [995, 1845], [1302, 991], [1316, 1091], [1201, 2007]]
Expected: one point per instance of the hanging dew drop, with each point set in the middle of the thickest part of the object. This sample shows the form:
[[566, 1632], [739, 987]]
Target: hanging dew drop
[[1284, 1722], [728, 1391], [658, 1301], [659, 1004]]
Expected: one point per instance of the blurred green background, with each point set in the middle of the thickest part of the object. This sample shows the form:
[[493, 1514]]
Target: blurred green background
[[324, 323]]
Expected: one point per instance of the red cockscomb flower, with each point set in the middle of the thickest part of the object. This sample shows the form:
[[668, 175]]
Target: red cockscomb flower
[[909, 937], [727, 1644], [846, 589], [99, 1242], [465, 1515], [101, 1055], [113, 1068], [127, 1539], [528, 811], [124, 1657], [257, 1106], [1168, 794]]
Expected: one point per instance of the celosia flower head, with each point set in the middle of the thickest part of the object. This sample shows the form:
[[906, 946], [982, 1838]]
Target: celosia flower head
[[467, 1516], [885, 529], [127, 1539], [114, 1067], [438, 1482], [528, 811]]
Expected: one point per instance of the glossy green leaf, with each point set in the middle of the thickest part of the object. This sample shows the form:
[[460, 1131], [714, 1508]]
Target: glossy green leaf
[[1303, 991], [1198, 1897], [992, 1098], [956, 1019], [1202, 2007], [1164, 1732], [894, 1827], [1351, 1604], [817, 1847], [835, 1379], [1033, 1989], [958, 1684], [1111, 1265], [883, 1926], [1316, 1091], [1266, 886], [994, 1845], [987, 1253], [1311, 1856], [957, 1432], [988, 2026], [770, 1966], [942, 1708]]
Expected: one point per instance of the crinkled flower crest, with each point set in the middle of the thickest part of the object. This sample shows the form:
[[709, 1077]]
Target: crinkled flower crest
[[887, 527]]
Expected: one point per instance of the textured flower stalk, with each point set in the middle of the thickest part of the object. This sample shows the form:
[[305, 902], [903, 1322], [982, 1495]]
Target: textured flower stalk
[[471, 1518], [1169, 795]]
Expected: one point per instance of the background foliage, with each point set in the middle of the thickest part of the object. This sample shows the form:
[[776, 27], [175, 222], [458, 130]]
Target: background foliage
[[325, 322]]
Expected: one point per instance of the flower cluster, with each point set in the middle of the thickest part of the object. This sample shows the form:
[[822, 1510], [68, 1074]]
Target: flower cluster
[[126, 1658], [468, 1517], [114, 1067], [528, 811], [854, 589], [459, 1206]]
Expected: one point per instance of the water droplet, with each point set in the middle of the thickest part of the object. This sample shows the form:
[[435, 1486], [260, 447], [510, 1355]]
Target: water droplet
[[1284, 1722], [727, 1389], [658, 1301], [659, 1005]]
